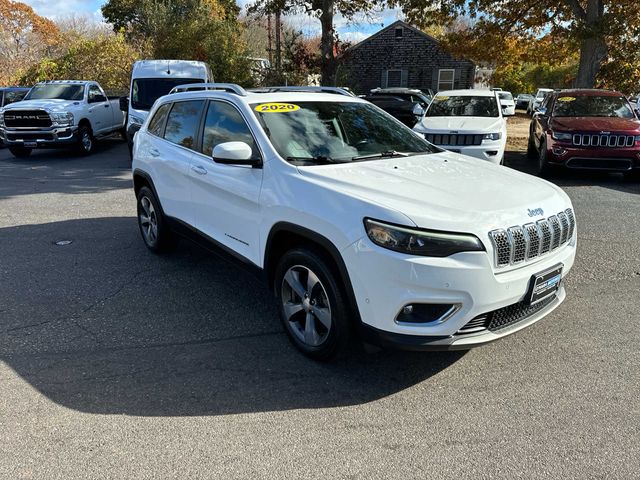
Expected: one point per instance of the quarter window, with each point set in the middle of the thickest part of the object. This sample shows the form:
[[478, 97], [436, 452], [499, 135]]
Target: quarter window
[[157, 122], [446, 79], [182, 123], [224, 123]]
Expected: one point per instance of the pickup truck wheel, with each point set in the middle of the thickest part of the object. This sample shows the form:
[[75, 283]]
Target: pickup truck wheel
[[20, 152], [313, 309], [85, 140], [155, 232]]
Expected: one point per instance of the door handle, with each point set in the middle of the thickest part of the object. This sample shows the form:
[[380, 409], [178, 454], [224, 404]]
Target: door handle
[[154, 153], [107, 106], [199, 169]]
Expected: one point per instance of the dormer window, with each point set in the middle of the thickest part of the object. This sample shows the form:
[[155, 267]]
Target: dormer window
[[399, 32]]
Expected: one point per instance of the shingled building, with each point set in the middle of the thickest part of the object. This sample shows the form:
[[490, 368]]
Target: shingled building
[[402, 56]]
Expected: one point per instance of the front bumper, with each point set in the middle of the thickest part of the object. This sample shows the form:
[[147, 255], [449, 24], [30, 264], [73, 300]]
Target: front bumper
[[39, 138], [605, 159], [491, 152], [384, 282]]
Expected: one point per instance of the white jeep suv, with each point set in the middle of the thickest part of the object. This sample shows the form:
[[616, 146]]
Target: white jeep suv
[[470, 122], [357, 223]]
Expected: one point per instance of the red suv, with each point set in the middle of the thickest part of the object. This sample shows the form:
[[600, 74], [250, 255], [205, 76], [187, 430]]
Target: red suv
[[586, 129]]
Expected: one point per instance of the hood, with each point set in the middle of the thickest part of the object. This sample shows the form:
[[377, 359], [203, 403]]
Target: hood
[[596, 124], [461, 124], [446, 191], [53, 105]]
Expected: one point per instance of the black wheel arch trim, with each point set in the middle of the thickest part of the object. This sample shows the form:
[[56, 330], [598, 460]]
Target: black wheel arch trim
[[142, 174], [323, 242]]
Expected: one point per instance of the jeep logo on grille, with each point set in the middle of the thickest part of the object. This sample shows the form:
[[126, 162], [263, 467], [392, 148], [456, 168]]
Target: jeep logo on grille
[[534, 212]]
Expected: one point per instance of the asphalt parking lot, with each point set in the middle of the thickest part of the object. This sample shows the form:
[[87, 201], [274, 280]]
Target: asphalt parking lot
[[116, 363]]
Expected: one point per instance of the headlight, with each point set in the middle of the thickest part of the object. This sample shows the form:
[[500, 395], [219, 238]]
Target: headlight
[[136, 120], [425, 243], [62, 119], [561, 136], [492, 136]]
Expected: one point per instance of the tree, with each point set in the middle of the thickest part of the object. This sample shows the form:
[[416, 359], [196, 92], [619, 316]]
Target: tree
[[106, 58], [591, 27], [206, 30], [24, 37]]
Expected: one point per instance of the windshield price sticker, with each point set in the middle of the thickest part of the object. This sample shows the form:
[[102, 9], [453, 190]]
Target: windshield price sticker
[[567, 99], [277, 107], [442, 98]]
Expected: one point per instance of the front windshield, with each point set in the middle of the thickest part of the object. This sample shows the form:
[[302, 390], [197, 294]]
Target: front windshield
[[59, 91], [505, 96], [313, 133], [463, 106], [145, 91], [592, 106]]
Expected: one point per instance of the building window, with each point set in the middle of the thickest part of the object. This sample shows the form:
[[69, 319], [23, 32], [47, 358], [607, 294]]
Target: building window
[[399, 32], [394, 78], [446, 79]]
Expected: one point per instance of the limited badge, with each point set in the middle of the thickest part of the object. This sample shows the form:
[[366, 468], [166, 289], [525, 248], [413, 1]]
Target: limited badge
[[276, 107], [567, 99]]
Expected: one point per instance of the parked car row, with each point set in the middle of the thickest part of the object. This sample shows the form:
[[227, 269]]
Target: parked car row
[[74, 114]]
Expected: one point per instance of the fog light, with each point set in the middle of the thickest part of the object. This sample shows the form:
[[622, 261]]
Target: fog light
[[559, 151], [426, 313]]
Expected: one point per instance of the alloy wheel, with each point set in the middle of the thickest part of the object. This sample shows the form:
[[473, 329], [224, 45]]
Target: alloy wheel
[[148, 221], [306, 306]]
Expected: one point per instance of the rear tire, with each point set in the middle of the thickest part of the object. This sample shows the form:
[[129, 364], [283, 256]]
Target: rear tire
[[86, 142], [20, 152], [313, 306], [155, 231]]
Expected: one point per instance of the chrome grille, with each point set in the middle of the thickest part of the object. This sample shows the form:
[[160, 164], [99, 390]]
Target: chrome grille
[[519, 244], [592, 140], [27, 119], [458, 140]]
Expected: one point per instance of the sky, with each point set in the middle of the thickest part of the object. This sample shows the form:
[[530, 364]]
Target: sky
[[354, 31]]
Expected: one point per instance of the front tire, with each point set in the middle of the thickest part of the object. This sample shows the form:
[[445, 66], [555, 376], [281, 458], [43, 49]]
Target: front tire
[[86, 142], [20, 152], [313, 307], [544, 169], [153, 226]]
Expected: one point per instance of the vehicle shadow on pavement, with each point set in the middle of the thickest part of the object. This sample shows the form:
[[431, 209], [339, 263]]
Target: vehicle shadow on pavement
[[574, 178], [103, 326], [63, 171]]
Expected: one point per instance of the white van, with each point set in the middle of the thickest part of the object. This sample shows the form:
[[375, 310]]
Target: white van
[[151, 79]]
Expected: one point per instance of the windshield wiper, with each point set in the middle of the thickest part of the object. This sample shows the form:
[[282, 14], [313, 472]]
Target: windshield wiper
[[387, 154], [320, 159]]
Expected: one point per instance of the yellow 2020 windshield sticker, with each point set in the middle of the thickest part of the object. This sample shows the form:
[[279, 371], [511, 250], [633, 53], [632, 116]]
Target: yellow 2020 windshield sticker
[[442, 98], [276, 107], [567, 99]]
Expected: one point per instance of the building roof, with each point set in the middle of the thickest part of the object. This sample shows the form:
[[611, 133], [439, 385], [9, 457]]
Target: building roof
[[397, 23]]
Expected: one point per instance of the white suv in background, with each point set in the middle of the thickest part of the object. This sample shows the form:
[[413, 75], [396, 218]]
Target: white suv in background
[[357, 223], [470, 122]]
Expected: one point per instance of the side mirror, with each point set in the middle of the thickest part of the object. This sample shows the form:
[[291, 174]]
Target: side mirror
[[541, 111], [234, 153], [637, 112], [418, 111], [124, 104]]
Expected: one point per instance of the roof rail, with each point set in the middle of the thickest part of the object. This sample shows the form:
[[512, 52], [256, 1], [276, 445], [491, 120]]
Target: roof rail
[[336, 90], [226, 87]]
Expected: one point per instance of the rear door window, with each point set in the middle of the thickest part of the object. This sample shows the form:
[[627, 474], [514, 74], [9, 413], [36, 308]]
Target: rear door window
[[183, 122], [157, 122]]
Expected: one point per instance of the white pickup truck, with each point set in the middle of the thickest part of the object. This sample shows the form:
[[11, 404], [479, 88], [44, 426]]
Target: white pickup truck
[[62, 113]]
